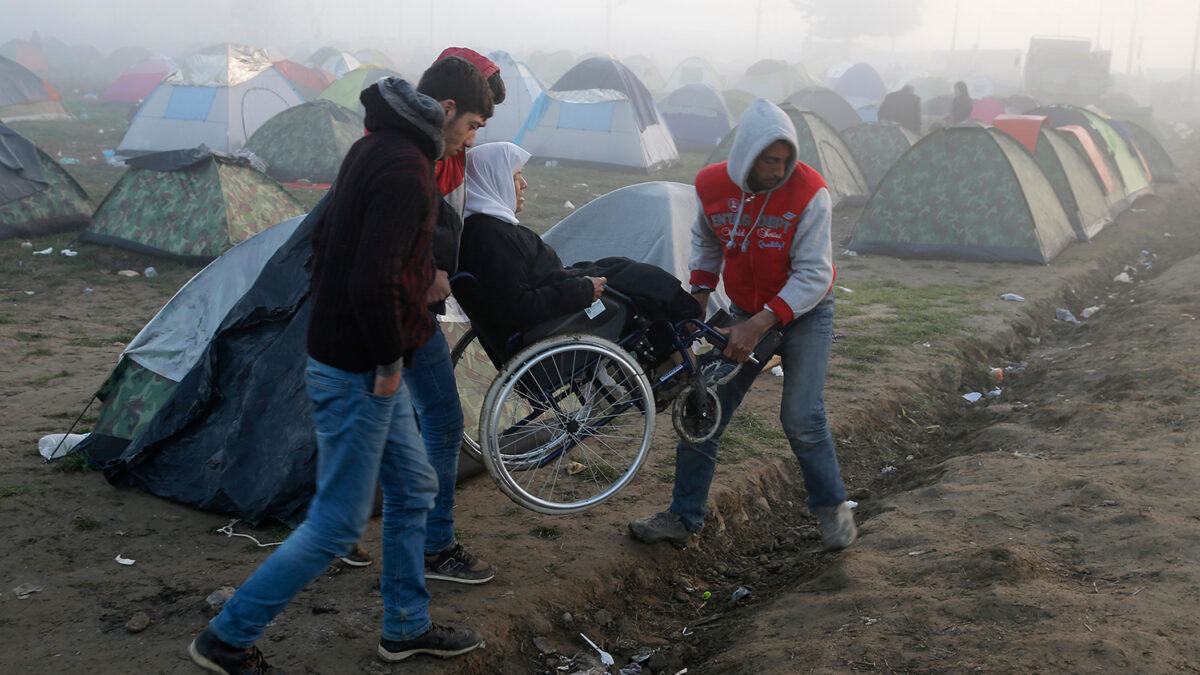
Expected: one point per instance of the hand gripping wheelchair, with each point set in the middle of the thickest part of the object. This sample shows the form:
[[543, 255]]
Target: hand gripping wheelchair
[[566, 410]]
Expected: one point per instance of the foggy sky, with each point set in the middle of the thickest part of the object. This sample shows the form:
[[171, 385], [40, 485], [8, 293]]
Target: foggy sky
[[1160, 32]]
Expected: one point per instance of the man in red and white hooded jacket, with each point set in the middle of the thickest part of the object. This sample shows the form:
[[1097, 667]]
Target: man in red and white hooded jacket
[[765, 231]]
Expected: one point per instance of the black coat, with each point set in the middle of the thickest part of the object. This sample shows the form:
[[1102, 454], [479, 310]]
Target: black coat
[[902, 108], [521, 280]]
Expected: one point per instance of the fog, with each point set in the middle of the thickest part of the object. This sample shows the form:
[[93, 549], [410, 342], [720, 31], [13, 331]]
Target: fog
[[1144, 36]]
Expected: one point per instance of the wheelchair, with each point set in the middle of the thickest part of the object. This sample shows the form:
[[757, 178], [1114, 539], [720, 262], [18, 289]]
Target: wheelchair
[[566, 411]]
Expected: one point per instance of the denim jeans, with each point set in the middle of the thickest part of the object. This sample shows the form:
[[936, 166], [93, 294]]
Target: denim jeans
[[362, 439], [430, 378], [805, 353]]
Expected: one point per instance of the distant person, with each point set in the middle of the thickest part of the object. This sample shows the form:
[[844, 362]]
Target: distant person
[[372, 283], [962, 105], [902, 107], [765, 230]]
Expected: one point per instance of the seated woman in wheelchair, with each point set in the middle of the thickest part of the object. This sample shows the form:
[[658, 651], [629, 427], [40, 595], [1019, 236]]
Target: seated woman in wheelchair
[[519, 285]]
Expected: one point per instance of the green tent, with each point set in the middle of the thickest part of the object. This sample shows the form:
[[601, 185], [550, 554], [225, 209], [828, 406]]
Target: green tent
[[190, 205], [36, 195], [345, 90], [876, 146], [966, 192], [822, 149], [1070, 174], [1122, 153], [307, 142]]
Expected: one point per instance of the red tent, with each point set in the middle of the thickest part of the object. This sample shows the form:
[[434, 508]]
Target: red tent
[[136, 83], [307, 81]]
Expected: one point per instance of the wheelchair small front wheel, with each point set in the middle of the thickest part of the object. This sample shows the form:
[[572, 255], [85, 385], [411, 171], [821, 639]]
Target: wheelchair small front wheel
[[696, 421], [567, 423]]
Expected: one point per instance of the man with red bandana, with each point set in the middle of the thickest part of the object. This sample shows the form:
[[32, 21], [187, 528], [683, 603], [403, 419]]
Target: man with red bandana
[[765, 231]]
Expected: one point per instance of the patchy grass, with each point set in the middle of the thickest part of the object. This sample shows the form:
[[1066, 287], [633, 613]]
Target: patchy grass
[[12, 491], [29, 336], [50, 376], [84, 524], [747, 435], [75, 462], [547, 532]]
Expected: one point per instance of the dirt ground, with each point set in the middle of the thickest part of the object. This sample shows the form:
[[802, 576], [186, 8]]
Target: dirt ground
[[1054, 528]]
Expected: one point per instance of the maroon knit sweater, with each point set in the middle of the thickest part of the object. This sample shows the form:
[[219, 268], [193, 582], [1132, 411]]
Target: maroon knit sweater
[[372, 248]]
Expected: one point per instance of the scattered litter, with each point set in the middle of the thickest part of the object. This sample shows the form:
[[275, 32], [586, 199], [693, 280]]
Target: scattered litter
[[568, 205], [45, 251], [228, 532], [1123, 278], [552, 162], [850, 254], [740, 593], [124, 561], [845, 290], [69, 160], [580, 185], [1012, 297], [1089, 311], [27, 244], [995, 393], [997, 374], [632, 669], [1016, 367], [217, 598], [69, 253], [87, 290], [1028, 455], [851, 504], [128, 273], [973, 396], [55, 446], [149, 272], [706, 595], [1168, 235], [1065, 315], [605, 658], [138, 622], [869, 620], [687, 632], [922, 551], [1188, 316], [30, 292], [1138, 210], [887, 469], [575, 468], [25, 590], [777, 371], [926, 345]]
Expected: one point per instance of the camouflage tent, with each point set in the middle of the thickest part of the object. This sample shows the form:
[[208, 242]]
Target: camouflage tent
[[307, 142], [190, 205], [876, 146], [25, 96], [827, 103], [822, 149], [1162, 167], [966, 192], [36, 195], [1069, 172]]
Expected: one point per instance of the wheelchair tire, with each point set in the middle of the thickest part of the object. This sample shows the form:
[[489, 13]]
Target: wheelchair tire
[[567, 423], [473, 373], [689, 423]]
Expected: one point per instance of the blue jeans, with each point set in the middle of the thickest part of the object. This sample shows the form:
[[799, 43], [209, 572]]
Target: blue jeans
[[362, 439], [430, 379], [805, 353]]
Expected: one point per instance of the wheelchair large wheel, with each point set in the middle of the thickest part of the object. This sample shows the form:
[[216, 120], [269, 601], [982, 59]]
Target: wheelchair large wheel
[[567, 423], [473, 373]]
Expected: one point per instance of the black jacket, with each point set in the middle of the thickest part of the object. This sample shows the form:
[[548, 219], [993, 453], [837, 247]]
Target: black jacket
[[903, 109], [521, 280]]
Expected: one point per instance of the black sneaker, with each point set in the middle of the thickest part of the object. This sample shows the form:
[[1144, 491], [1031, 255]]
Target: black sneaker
[[440, 641], [716, 368], [357, 557], [217, 657], [665, 526], [456, 564]]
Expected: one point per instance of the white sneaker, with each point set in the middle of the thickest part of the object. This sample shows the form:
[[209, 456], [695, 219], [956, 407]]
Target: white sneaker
[[837, 526]]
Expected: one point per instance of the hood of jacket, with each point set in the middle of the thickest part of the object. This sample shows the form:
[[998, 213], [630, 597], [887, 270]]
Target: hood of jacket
[[762, 124], [393, 103]]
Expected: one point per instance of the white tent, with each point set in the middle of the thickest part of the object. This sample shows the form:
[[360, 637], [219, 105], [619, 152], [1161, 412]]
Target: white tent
[[217, 97], [521, 88], [599, 114], [693, 70]]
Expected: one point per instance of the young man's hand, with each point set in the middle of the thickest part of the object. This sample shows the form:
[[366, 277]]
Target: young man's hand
[[440, 290], [744, 336], [387, 385]]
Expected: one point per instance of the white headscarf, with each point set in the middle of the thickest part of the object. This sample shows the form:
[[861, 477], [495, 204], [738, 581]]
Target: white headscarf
[[490, 189]]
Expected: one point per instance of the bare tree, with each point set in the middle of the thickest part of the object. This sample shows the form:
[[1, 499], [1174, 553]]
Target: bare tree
[[848, 19]]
